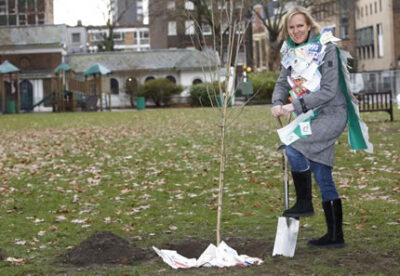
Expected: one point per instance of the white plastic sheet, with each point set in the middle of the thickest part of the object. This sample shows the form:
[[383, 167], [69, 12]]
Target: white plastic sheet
[[221, 256]]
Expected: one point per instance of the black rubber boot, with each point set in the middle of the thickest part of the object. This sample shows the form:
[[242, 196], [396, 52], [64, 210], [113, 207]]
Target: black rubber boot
[[334, 217], [303, 206]]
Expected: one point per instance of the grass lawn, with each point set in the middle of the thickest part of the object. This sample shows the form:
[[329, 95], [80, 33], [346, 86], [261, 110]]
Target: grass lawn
[[151, 177]]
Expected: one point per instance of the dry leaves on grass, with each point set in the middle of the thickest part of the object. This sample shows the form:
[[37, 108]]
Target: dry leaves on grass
[[15, 261]]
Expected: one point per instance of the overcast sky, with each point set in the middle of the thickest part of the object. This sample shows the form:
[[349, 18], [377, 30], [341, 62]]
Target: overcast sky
[[91, 12]]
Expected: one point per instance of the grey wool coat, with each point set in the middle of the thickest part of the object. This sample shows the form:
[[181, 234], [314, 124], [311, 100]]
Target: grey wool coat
[[331, 121]]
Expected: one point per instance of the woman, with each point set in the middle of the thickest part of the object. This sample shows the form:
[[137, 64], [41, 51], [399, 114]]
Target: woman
[[310, 72]]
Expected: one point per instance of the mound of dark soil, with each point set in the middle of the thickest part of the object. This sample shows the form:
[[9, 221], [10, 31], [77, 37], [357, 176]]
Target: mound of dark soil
[[104, 247], [193, 248], [3, 254]]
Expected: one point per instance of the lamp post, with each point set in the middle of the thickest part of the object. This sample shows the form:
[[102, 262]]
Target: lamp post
[[246, 69]]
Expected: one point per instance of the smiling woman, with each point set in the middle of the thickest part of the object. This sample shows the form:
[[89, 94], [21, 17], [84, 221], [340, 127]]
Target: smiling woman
[[298, 28], [70, 11]]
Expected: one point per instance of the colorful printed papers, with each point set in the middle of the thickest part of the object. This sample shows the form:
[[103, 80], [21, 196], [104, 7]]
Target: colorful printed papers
[[304, 61]]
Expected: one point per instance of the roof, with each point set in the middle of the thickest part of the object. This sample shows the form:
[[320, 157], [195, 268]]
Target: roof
[[22, 36], [62, 67], [6, 67], [181, 59], [97, 69]]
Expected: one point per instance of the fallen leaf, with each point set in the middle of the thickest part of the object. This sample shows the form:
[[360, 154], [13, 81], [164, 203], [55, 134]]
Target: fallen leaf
[[108, 220], [172, 227], [79, 221], [60, 218], [15, 261], [20, 242], [360, 226]]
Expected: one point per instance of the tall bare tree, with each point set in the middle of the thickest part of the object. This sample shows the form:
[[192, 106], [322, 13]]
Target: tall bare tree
[[107, 44], [228, 23]]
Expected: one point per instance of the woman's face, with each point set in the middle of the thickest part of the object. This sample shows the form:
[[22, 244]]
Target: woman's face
[[298, 28]]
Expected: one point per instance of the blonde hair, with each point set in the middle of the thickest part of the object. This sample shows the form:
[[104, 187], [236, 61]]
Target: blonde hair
[[298, 10]]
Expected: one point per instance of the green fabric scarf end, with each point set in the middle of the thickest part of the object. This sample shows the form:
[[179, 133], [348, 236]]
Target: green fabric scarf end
[[355, 134]]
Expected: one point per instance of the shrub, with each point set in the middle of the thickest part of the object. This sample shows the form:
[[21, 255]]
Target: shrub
[[160, 90], [203, 94], [134, 92], [263, 86]]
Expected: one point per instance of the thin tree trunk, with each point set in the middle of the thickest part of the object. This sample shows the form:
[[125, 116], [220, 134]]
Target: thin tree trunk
[[221, 170]]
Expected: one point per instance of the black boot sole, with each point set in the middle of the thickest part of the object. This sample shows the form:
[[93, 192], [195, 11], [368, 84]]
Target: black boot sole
[[297, 215], [330, 245]]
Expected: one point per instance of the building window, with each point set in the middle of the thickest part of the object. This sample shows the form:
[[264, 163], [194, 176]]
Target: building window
[[76, 37], [41, 18], [376, 7], [171, 5], [189, 27], [12, 19], [131, 84], [31, 19], [370, 8], [11, 6], [3, 20], [365, 37], [114, 86], [379, 33], [380, 5], [40, 5], [31, 5], [171, 78], [149, 78], [171, 28], [189, 5], [98, 35], [344, 28], [197, 81], [206, 29], [3, 6], [21, 6], [22, 19], [118, 36], [223, 5], [144, 37]]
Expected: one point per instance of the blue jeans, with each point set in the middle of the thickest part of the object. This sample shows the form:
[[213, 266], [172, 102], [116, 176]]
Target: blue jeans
[[322, 173]]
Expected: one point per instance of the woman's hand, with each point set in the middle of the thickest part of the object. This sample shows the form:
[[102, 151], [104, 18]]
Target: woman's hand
[[276, 110], [287, 108], [282, 110]]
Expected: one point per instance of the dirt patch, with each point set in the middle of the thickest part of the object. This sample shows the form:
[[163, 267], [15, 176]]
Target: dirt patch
[[104, 247], [3, 254], [193, 248]]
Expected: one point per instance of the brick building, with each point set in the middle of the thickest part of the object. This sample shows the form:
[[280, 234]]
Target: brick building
[[26, 12], [36, 50]]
